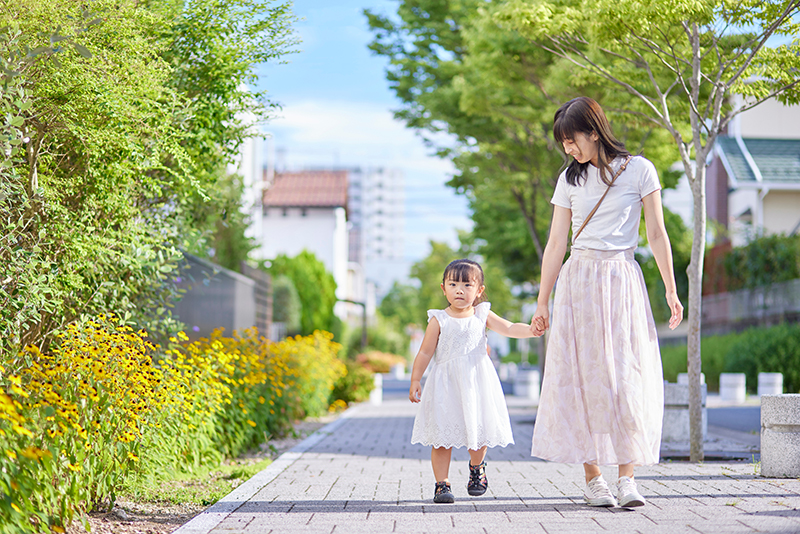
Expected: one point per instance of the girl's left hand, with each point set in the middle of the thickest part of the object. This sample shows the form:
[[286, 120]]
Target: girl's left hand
[[676, 308]]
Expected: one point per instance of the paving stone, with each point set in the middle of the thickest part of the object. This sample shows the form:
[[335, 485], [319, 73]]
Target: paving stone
[[365, 477]]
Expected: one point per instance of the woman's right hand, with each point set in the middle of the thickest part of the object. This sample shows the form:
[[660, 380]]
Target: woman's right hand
[[415, 391], [540, 320]]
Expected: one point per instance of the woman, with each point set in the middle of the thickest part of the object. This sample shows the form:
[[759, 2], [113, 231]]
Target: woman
[[602, 393]]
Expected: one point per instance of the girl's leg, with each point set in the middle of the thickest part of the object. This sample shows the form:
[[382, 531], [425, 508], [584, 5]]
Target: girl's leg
[[440, 460], [476, 457], [477, 484]]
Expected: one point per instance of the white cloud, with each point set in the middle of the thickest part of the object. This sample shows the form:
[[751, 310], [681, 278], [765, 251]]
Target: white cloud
[[320, 133], [315, 132]]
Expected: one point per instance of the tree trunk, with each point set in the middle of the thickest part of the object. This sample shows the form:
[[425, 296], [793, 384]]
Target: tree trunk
[[695, 272]]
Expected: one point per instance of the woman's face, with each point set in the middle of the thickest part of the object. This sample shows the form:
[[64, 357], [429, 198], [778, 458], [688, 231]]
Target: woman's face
[[582, 147]]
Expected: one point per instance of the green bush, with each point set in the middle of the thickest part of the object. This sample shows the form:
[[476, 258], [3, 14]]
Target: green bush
[[355, 386], [713, 350], [766, 260], [771, 350]]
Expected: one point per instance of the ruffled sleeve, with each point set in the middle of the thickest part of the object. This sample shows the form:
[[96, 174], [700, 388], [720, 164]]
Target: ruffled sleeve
[[435, 313], [482, 310]]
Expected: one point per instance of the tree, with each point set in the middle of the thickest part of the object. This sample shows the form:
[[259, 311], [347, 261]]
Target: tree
[[286, 306], [676, 65], [110, 149], [457, 71], [315, 287], [410, 304]]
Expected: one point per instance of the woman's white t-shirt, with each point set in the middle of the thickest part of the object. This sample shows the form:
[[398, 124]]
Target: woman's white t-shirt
[[615, 225]]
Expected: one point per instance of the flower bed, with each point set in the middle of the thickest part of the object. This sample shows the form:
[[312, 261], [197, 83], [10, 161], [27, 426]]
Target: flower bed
[[107, 404]]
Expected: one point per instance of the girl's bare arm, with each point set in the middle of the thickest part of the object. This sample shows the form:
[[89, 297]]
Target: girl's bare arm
[[504, 327], [423, 358]]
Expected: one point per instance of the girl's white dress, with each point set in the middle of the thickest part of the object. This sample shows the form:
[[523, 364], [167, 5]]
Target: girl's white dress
[[462, 402]]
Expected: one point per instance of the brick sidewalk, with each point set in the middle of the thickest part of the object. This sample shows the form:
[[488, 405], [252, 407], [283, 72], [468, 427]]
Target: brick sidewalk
[[360, 474]]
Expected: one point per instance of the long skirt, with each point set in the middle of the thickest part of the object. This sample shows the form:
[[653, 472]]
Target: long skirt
[[602, 399]]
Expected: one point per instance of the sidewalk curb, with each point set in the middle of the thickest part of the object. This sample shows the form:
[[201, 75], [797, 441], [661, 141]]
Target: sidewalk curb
[[215, 514]]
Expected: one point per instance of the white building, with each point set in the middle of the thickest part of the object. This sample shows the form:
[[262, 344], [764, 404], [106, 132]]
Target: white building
[[376, 211], [753, 177], [307, 211]]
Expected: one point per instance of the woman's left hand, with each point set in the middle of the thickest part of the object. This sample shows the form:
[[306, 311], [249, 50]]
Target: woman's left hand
[[676, 308]]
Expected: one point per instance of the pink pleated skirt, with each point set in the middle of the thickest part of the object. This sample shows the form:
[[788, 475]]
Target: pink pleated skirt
[[602, 399]]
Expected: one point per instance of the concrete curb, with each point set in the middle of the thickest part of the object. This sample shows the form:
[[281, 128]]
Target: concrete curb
[[212, 516]]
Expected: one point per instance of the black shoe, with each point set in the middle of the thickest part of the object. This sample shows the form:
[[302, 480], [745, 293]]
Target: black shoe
[[477, 479], [442, 493]]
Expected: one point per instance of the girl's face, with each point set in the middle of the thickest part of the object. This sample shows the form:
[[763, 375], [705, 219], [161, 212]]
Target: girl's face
[[582, 147], [461, 294]]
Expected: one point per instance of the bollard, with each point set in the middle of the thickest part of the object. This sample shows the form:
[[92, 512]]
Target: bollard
[[732, 387], [398, 371], [770, 384], [675, 425], [502, 372], [526, 384], [780, 436], [683, 378], [376, 395]]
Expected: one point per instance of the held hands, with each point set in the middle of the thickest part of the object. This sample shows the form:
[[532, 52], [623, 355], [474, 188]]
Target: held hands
[[676, 308], [540, 321], [415, 391]]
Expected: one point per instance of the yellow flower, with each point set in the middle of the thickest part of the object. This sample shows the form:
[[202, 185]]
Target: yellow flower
[[73, 467], [58, 529], [15, 507], [262, 400], [133, 457], [251, 422], [12, 455]]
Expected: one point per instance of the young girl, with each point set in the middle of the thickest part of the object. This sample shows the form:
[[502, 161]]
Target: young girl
[[602, 393], [463, 403]]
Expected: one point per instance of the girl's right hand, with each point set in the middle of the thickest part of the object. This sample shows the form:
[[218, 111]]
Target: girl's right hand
[[540, 320], [415, 391]]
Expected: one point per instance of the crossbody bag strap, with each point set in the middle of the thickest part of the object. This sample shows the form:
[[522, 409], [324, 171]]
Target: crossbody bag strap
[[591, 213]]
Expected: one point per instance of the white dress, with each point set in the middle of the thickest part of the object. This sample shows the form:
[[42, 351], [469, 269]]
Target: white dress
[[462, 402]]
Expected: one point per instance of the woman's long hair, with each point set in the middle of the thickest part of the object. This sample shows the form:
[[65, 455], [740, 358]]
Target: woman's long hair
[[584, 115]]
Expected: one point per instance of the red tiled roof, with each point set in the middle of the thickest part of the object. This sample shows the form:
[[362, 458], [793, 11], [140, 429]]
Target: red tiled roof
[[308, 189]]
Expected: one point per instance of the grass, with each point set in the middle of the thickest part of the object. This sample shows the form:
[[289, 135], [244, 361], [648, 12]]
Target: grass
[[516, 357], [205, 486]]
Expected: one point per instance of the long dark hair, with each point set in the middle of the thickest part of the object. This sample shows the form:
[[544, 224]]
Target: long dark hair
[[465, 271], [584, 115]]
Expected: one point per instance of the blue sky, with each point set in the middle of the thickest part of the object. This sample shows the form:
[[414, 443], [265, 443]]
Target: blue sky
[[337, 111]]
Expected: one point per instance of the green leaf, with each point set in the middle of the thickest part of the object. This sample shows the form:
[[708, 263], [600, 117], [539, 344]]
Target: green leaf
[[82, 50]]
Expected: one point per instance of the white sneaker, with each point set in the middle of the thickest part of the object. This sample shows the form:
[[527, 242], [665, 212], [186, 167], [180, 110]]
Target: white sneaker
[[627, 493], [598, 494]]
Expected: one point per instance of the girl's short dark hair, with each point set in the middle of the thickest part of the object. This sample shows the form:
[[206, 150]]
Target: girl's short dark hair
[[464, 270], [584, 115]]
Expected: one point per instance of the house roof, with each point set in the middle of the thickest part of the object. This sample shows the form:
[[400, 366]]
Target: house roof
[[307, 189], [777, 161]]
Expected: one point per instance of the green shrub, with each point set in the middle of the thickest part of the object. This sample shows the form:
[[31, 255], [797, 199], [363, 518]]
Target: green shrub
[[516, 357], [771, 350], [355, 386], [713, 350], [766, 260]]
